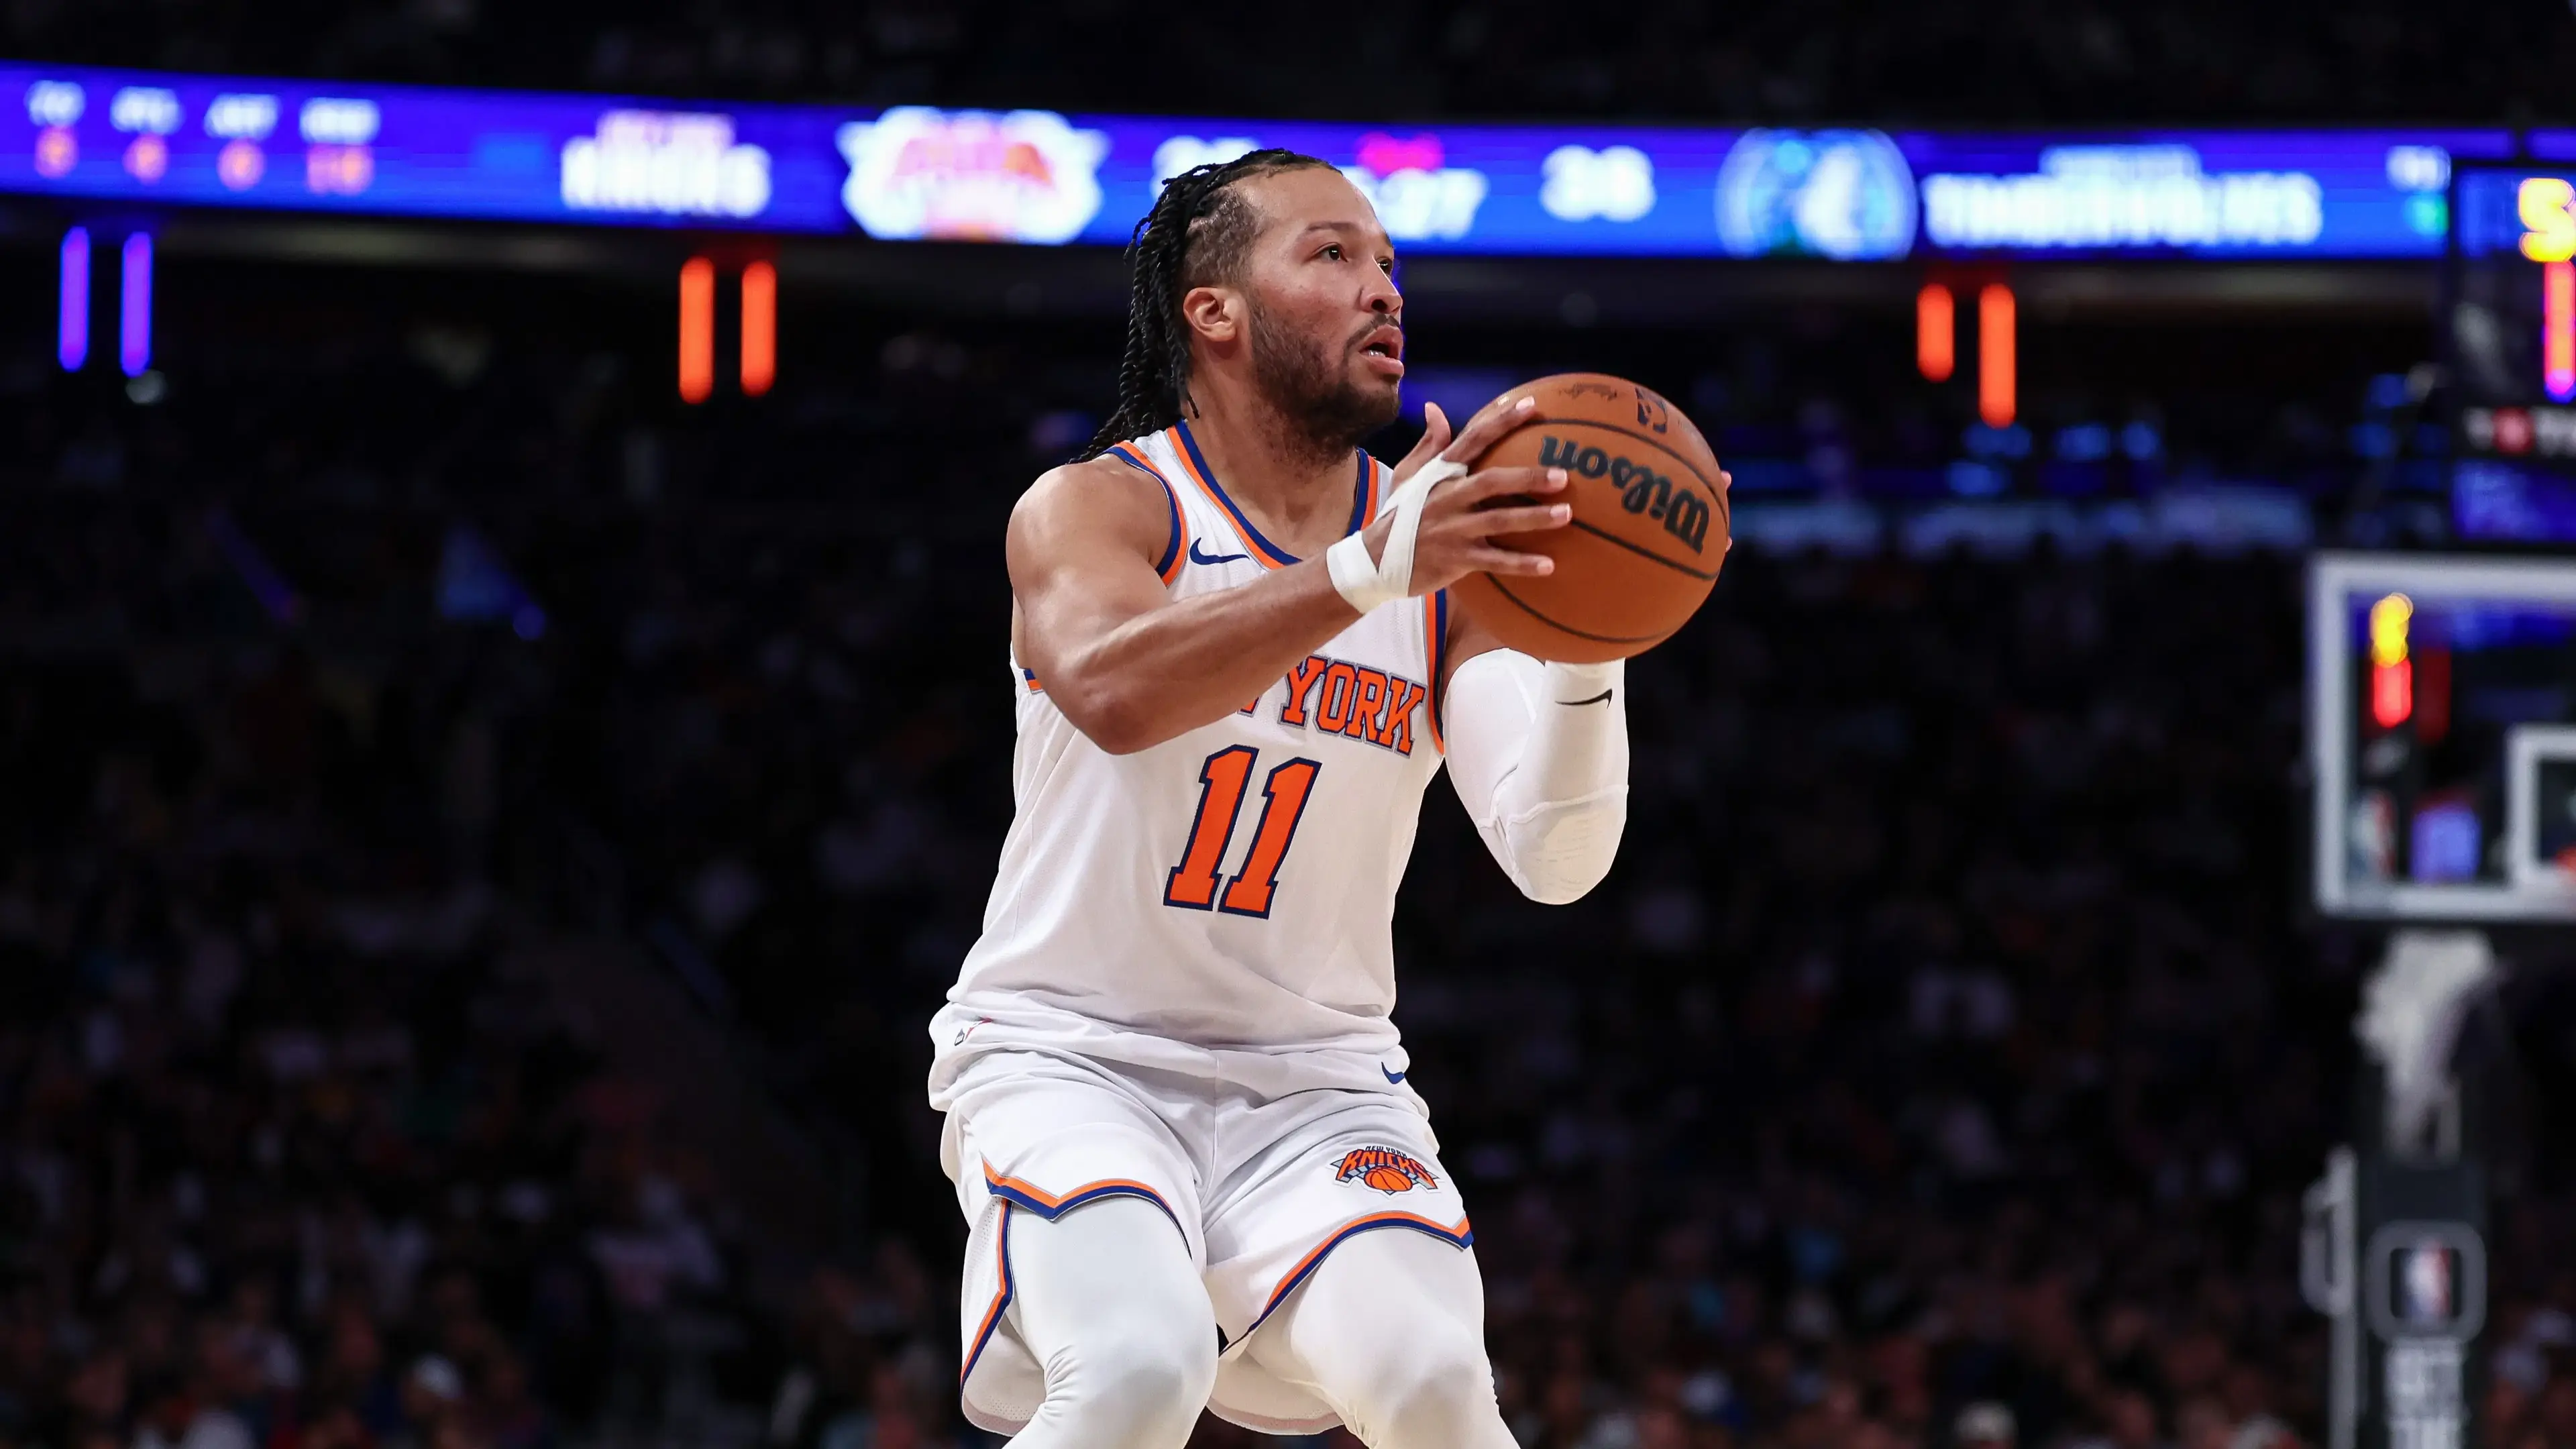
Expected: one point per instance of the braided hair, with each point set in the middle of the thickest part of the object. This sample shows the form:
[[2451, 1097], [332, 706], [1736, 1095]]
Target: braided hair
[[1198, 232]]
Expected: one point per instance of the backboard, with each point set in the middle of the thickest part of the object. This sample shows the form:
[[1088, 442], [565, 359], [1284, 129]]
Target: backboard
[[2442, 736]]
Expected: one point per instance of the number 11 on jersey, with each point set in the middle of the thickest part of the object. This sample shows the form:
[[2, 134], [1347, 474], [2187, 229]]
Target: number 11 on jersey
[[1222, 779]]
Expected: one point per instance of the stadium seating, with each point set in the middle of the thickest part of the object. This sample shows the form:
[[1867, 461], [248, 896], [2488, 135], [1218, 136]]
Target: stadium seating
[[366, 726], [2176, 60]]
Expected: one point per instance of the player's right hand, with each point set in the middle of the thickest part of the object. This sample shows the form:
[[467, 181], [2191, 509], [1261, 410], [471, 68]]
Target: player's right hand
[[1463, 516]]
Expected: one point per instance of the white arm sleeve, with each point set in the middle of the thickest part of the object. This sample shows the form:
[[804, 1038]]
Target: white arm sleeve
[[1539, 753]]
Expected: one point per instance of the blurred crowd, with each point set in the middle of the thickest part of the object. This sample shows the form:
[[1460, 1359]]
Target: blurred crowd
[[2196, 61], [1944, 1065], [300, 1147]]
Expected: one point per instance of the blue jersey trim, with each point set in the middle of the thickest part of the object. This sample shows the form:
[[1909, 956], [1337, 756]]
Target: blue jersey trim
[[1362, 498], [1171, 500], [1001, 1302], [1050, 1209], [1437, 647], [1279, 1296]]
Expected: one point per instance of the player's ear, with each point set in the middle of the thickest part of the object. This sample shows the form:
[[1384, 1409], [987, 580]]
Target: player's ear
[[1214, 313]]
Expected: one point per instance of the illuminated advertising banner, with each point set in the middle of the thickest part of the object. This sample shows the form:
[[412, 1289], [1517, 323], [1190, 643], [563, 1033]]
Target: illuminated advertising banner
[[1039, 178], [2245, 194], [2510, 332], [408, 151], [1493, 189]]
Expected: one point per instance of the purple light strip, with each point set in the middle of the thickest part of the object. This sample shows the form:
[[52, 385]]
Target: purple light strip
[[72, 347], [134, 325], [261, 577]]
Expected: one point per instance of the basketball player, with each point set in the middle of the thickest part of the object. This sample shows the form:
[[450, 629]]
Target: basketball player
[[1177, 1108]]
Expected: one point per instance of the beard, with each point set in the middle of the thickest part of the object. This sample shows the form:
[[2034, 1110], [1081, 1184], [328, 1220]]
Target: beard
[[1327, 410]]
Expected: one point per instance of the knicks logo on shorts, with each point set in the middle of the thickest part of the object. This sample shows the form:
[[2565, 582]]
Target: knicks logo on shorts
[[1383, 1168]]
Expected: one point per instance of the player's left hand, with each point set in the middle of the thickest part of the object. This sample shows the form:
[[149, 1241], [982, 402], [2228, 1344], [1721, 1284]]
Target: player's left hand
[[1485, 429], [1461, 516]]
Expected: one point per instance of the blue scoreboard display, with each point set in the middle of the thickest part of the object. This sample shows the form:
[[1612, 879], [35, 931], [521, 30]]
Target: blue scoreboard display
[[2243, 194], [1041, 178], [401, 151]]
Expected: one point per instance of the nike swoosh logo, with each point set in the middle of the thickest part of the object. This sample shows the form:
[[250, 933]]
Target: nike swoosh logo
[[1394, 1077], [1602, 698], [1197, 557]]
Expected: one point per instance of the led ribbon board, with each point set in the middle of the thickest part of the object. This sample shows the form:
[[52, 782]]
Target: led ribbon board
[[2509, 322], [1039, 178]]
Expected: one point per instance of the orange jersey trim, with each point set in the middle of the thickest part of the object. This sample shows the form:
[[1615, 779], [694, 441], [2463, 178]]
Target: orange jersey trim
[[1170, 566], [1460, 1236], [1001, 1299], [1364, 489], [1270, 555], [1051, 1206]]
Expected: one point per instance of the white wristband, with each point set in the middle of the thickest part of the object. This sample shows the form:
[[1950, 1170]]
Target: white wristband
[[1365, 583]]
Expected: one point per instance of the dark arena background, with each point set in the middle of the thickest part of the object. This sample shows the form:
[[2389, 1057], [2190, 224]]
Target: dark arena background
[[504, 723]]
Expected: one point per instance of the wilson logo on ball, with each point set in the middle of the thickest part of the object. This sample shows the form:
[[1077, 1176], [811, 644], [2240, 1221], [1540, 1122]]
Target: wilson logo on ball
[[1683, 513], [1383, 1168]]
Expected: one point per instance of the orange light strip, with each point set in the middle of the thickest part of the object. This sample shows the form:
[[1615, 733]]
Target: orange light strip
[[1997, 388], [2392, 674], [1936, 332], [697, 330], [2558, 330], [2392, 693], [759, 328]]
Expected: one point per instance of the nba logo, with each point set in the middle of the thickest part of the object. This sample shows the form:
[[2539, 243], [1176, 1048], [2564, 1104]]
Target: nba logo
[[2427, 1279]]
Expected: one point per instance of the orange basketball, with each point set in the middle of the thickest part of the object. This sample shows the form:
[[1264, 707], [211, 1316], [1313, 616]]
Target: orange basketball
[[1388, 1179], [1649, 528]]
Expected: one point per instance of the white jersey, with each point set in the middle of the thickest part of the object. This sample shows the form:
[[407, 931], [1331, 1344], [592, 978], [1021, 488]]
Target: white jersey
[[1221, 904]]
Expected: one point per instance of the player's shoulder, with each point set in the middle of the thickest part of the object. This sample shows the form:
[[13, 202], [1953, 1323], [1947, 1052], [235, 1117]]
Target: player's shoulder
[[1106, 493], [1095, 474], [1092, 483]]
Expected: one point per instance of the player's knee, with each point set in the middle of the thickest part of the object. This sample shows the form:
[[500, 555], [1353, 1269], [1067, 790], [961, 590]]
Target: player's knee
[[1139, 1379], [1159, 1375], [1438, 1380]]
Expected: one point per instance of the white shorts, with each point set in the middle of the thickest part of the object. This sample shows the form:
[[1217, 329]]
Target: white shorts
[[1261, 1191]]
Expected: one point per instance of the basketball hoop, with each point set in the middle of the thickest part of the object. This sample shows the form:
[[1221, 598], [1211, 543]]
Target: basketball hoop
[[2407, 832]]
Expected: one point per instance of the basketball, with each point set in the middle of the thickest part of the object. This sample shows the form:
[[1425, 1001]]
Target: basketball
[[1649, 528]]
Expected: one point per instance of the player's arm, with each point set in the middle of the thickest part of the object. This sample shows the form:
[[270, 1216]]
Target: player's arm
[[1539, 755], [1131, 667]]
